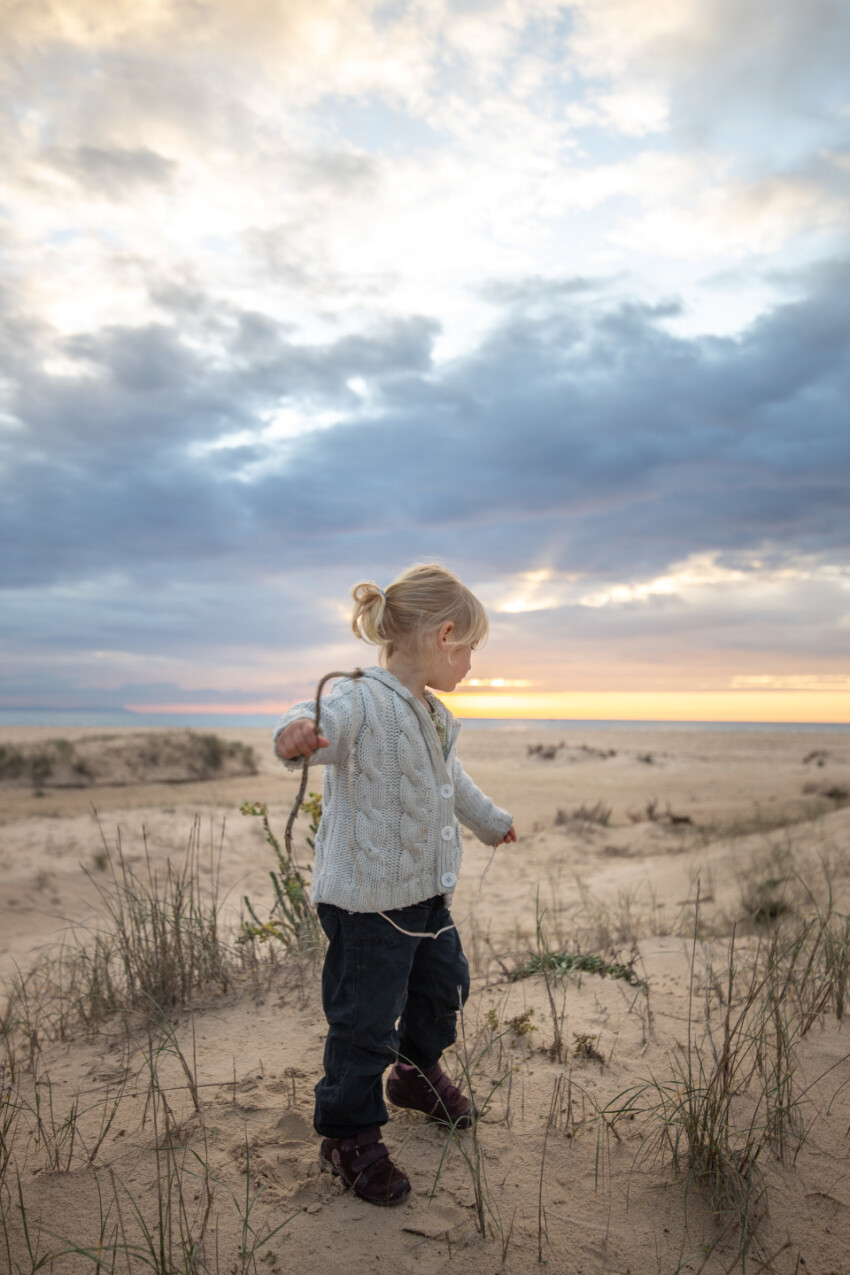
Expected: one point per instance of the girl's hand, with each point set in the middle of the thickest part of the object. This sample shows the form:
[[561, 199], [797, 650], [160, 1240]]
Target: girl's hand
[[299, 739], [510, 835]]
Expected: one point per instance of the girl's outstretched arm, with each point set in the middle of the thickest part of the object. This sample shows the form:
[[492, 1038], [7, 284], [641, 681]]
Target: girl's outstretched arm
[[299, 739], [295, 735]]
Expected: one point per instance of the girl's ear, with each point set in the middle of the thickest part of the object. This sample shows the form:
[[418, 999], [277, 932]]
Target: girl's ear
[[444, 633]]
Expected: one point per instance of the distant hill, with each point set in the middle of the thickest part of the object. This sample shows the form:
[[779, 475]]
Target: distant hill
[[173, 757]]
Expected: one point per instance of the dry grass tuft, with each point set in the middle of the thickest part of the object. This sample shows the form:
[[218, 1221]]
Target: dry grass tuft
[[157, 944], [599, 814]]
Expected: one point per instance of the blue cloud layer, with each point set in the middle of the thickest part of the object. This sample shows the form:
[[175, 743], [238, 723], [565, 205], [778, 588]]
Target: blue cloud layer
[[580, 433], [279, 313]]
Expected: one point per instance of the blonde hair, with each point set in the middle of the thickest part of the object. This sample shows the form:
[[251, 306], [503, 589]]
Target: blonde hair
[[417, 603]]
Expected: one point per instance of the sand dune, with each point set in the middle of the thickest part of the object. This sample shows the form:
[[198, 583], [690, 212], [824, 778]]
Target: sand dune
[[621, 833]]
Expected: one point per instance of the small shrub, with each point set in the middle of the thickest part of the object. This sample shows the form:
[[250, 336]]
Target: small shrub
[[210, 752], [521, 1024], [584, 1046], [765, 905], [599, 814], [651, 814], [12, 762], [767, 887], [40, 767]]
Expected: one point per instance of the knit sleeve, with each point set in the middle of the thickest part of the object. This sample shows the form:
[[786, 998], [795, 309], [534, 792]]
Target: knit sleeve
[[334, 724], [476, 811]]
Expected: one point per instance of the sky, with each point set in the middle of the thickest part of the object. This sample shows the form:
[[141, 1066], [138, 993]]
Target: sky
[[294, 294]]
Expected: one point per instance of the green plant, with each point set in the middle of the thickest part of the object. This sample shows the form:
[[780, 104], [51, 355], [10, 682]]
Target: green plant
[[561, 963], [293, 921], [584, 1046], [521, 1024], [313, 807]]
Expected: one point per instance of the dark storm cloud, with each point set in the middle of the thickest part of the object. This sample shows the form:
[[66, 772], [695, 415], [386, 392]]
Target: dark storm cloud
[[599, 423], [636, 440], [580, 434]]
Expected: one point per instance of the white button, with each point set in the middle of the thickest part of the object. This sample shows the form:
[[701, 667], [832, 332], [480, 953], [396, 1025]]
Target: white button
[[448, 834], [446, 790], [447, 880]]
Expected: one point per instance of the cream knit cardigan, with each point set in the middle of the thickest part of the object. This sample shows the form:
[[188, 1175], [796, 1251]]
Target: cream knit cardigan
[[389, 833]]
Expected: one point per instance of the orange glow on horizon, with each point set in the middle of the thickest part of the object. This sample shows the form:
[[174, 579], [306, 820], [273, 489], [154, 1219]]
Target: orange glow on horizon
[[827, 707]]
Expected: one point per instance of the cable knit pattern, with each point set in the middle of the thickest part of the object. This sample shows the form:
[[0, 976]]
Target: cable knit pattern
[[389, 834]]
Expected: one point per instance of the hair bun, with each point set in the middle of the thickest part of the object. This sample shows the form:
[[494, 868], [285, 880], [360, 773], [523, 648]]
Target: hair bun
[[367, 618]]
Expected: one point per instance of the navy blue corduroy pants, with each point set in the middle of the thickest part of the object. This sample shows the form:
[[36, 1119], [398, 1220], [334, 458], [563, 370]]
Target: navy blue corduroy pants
[[374, 978]]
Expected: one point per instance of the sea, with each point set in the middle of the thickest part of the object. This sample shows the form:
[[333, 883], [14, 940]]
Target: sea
[[56, 719]]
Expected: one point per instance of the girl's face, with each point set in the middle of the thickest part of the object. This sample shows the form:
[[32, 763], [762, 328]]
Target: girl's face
[[450, 665]]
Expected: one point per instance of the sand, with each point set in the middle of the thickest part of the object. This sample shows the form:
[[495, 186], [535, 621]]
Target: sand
[[621, 833]]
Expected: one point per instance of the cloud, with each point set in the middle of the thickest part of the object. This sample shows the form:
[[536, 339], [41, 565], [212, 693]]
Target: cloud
[[299, 292], [721, 65], [114, 173], [591, 418]]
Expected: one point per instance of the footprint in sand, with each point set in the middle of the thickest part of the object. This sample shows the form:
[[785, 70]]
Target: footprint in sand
[[291, 1127]]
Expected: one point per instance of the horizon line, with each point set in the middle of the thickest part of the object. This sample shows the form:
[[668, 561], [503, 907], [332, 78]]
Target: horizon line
[[178, 711]]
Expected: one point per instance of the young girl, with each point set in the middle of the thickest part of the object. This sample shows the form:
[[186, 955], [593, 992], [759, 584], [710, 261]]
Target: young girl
[[388, 852]]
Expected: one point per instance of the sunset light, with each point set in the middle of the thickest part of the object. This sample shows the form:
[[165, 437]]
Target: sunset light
[[425, 607], [660, 706], [300, 294]]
